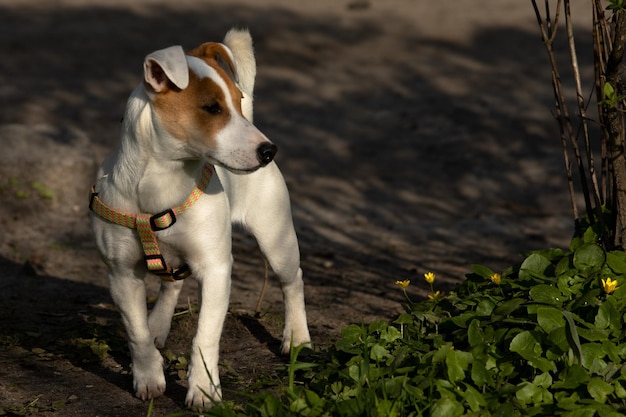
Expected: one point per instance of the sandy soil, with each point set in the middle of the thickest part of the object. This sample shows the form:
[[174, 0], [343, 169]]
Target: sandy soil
[[414, 135]]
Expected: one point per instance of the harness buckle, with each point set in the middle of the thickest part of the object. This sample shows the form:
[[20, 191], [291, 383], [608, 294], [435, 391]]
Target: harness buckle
[[162, 220], [181, 273], [156, 264], [92, 197]]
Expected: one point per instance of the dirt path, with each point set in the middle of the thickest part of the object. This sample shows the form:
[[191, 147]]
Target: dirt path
[[414, 136]]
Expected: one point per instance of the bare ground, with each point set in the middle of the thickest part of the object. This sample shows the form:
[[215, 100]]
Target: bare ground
[[414, 136]]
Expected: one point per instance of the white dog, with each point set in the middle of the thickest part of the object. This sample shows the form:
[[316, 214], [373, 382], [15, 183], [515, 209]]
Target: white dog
[[191, 116]]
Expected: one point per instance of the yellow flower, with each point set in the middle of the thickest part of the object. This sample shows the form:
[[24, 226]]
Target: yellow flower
[[609, 285], [403, 284], [429, 277], [496, 278], [435, 296]]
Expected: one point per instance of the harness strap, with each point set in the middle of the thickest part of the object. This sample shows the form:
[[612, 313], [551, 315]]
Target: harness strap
[[146, 224]]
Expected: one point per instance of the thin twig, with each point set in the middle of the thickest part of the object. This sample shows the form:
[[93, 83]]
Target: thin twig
[[600, 57], [265, 281]]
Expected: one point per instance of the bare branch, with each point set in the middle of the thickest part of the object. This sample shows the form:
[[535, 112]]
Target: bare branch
[[582, 112]]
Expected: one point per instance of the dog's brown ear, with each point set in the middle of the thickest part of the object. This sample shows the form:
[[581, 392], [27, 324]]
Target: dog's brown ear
[[219, 54], [166, 65]]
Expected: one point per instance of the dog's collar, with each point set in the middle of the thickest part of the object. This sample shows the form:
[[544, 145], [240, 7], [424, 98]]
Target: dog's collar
[[146, 224]]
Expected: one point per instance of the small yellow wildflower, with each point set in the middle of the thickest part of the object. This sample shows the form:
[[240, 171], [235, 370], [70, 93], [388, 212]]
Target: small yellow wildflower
[[496, 278], [403, 284], [429, 277], [435, 296], [609, 285]]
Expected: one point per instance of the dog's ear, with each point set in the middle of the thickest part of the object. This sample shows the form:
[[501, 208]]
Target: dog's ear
[[239, 42], [219, 54], [164, 66]]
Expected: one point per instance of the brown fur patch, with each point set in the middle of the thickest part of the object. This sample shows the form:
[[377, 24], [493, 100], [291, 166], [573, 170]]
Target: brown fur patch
[[214, 54], [186, 114]]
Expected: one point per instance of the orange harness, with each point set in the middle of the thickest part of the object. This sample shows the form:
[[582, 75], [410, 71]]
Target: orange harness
[[146, 224]]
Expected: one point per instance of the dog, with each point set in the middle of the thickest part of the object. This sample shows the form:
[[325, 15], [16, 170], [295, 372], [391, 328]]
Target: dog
[[190, 153]]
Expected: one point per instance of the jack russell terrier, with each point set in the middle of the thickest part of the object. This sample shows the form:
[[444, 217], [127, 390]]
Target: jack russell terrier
[[157, 207]]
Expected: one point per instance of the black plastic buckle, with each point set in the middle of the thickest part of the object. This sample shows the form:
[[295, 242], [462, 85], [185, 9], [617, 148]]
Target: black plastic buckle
[[181, 273], [154, 218], [163, 269], [91, 199]]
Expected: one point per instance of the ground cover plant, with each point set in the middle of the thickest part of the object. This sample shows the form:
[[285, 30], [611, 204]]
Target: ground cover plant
[[545, 337]]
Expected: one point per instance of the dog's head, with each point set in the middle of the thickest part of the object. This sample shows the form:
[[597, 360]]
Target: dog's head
[[197, 101]]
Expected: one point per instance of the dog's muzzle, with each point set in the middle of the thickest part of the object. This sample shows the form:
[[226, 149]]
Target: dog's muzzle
[[265, 153]]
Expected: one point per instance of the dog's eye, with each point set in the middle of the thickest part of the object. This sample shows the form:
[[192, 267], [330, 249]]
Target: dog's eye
[[214, 108]]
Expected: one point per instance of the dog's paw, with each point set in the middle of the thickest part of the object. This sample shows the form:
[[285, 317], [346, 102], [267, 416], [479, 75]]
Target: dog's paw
[[148, 378], [295, 339], [203, 398], [147, 388]]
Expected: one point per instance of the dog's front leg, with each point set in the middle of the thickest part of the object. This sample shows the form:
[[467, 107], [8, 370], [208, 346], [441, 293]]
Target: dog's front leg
[[129, 294], [160, 319], [204, 382], [270, 221]]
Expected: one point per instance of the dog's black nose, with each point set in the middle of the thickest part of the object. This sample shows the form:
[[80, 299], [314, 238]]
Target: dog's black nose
[[265, 153]]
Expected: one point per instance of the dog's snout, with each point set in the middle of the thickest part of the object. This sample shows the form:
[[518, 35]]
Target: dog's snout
[[266, 152]]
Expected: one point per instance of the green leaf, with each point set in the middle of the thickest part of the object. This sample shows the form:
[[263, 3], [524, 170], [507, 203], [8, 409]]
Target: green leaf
[[534, 265], [543, 380], [611, 351], [506, 308], [620, 391], [550, 318], [350, 336], [590, 353], [558, 338], [378, 353], [483, 271], [589, 256], [572, 377], [390, 334], [572, 336], [563, 283], [442, 353], [480, 375], [608, 316], [485, 307], [529, 348], [593, 334], [474, 398], [271, 406], [599, 389], [462, 319], [567, 400], [354, 371], [617, 262], [475, 335], [547, 294], [456, 362], [447, 407], [352, 333], [404, 318], [608, 89], [377, 326], [528, 393], [563, 266]]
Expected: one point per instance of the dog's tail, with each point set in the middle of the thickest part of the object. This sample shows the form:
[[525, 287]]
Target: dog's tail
[[239, 42]]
